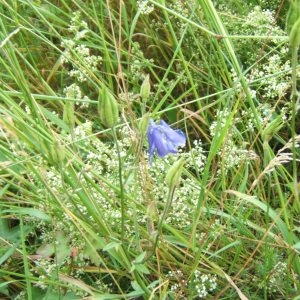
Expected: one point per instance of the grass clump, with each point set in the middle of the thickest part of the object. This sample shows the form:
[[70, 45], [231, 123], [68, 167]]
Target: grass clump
[[84, 215]]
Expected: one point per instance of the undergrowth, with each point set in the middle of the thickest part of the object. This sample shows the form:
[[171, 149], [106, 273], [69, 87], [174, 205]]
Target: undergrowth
[[84, 214]]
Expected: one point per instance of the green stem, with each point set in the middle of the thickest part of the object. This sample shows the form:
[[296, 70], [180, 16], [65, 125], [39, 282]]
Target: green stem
[[161, 221], [121, 185], [25, 262], [294, 98], [136, 274]]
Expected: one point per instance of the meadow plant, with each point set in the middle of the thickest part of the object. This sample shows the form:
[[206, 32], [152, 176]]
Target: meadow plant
[[77, 58], [108, 204]]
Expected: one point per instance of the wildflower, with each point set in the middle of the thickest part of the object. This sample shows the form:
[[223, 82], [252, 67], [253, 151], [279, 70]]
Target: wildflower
[[163, 139]]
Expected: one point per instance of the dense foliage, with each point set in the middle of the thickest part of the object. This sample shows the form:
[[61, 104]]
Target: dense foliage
[[85, 214]]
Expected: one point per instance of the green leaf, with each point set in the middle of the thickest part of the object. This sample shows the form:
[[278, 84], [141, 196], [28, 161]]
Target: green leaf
[[141, 268], [4, 287], [33, 212], [140, 258], [55, 119], [7, 254], [138, 291], [112, 245]]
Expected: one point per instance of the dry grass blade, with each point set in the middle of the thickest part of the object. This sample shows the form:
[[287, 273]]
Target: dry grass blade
[[280, 159]]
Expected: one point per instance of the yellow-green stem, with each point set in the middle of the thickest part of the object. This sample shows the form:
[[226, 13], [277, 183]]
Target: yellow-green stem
[[121, 185], [161, 221], [295, 96]]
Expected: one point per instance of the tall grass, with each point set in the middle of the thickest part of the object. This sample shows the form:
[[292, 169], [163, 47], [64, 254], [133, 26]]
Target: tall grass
[[84, 214]]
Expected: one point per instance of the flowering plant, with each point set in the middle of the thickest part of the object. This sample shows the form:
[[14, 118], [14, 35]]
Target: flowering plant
[[163, 139]]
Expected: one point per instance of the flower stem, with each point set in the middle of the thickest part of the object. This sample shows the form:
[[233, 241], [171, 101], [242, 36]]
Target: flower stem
[[121, 185], [161, 221], [295, 100]]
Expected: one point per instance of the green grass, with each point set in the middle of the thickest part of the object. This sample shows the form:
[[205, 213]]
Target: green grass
[[84, 215]]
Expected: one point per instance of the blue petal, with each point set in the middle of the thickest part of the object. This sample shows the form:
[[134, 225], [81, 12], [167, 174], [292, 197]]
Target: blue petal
[[165, 148], [180, 138], [163, 139], [151, 128], [150, 134], [160, 142], [177, 137]]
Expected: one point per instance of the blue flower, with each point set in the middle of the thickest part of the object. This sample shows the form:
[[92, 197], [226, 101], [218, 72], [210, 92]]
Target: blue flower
[[163, 139]]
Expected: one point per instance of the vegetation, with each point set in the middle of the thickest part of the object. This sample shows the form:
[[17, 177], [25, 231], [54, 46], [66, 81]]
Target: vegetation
[[84, 214]]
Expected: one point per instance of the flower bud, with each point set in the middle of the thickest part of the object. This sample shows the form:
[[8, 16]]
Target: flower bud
[[143, 124], [68, 115], [108, 108], [174, 173], [151, 217], [292, 15], [295, 34], [145, 88]]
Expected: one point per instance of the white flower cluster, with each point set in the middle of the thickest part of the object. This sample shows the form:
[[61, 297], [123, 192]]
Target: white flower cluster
[[274, 75], [182, 208], [201, 285], [277, 275], [195, 158], [102, 287], [53, 179], [184, 201], [138, 64], [221, 119], [78, 26], [145, 7], [231, 153], [178, 283], [217, 228], [258, 22], [276, 279], [77, 53], [79, 59], [83, 131], [21, 296], [204, 283], [73, 91]]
